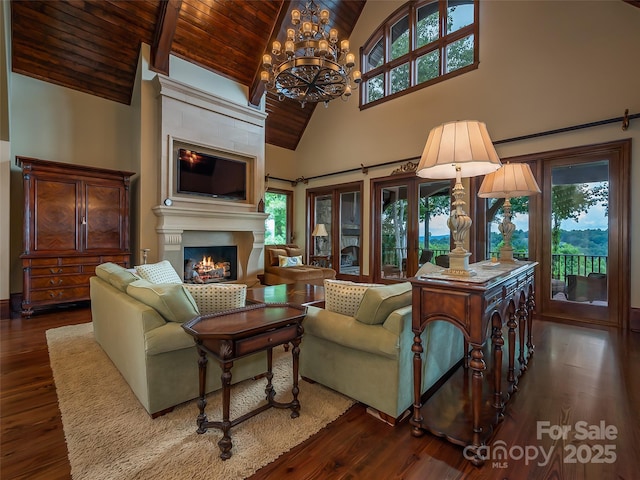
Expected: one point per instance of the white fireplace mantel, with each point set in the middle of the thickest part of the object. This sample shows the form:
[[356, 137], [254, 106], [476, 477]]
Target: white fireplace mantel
[[246, 230]]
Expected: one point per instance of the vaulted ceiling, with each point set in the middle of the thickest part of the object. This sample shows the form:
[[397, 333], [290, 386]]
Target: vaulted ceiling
[[93, 45]]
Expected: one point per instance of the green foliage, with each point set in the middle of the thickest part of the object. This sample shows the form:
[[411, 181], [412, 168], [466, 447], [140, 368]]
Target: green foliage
[[275, 204], [569, 202]]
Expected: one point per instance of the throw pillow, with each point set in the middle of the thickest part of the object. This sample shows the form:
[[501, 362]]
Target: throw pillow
[[378, 302], [116, 275], [161, 272], [343, 296], [214, 298], [171, 300], [290, 261], [275, 255]]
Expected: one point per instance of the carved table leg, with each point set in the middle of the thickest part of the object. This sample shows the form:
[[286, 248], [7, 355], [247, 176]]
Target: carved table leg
[[225, 443], [416, 420], [531, 305], [478, 366], [522, 321], [512, 324], [498, 342], [269, 391], [295, 404], [202, 401]]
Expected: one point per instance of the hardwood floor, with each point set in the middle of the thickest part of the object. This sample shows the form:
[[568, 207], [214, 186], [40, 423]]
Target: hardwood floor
[[576, 375]]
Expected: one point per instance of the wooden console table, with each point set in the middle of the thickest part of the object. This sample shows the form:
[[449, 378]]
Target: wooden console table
[[474, 305], [231, 335]]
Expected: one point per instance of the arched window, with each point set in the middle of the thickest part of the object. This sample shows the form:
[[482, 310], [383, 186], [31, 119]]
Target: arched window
[[422, 43]]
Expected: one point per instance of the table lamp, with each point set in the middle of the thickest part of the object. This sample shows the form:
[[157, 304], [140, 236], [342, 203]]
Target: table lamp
[[512, 180], [319, 231], [456, 150]]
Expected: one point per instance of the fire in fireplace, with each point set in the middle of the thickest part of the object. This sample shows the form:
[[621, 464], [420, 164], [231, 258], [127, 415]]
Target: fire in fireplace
[[210, 264]]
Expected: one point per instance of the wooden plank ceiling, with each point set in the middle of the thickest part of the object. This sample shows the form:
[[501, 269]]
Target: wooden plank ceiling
[[93, 45]]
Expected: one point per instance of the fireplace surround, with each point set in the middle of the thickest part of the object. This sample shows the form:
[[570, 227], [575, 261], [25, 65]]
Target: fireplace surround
[[195, 119]]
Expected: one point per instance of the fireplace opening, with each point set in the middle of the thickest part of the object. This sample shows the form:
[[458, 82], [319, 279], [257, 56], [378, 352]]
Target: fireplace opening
[[210, 264]]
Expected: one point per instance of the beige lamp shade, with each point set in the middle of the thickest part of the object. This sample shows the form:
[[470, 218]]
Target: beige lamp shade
[[512, 180], [465, 145], [320, 231]]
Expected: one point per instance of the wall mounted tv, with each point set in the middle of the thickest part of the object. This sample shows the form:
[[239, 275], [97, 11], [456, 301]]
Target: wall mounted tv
[[211, 175]]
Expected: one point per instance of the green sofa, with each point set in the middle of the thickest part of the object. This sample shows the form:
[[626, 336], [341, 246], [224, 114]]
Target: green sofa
[[139, 326], [364, 351]]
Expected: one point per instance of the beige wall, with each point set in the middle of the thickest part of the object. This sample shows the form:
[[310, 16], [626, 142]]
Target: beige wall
[[543, 65]]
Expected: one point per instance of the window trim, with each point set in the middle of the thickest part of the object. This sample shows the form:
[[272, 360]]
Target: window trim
[[440, 44]]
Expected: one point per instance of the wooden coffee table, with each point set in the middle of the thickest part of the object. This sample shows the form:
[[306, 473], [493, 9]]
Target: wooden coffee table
[[231, 335], [293, 293]]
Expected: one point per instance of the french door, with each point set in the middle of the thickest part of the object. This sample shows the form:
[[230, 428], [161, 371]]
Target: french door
[[409, 219], [338, 245], [579, 233]]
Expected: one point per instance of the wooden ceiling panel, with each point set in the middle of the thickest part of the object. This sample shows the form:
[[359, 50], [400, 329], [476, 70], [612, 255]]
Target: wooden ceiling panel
[[93, 45]]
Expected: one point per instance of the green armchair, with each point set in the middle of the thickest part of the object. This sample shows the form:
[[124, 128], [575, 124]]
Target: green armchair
[[364, 349]]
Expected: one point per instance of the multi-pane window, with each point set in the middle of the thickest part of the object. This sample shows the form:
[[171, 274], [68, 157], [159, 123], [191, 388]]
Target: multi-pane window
[[423, 43]]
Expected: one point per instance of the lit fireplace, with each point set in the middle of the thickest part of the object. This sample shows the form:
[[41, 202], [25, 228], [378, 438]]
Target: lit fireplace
[[210, 264]]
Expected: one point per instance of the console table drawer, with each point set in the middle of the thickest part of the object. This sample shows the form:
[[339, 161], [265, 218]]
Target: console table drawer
[[266, 340]]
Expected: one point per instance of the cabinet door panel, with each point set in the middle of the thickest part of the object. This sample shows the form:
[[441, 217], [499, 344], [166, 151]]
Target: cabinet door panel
[[54, 216], [104, 222]]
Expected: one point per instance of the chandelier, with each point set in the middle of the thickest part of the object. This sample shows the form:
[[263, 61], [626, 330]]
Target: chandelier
[[313, 66]]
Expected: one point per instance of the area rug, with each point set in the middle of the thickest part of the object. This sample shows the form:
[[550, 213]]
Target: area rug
[[110, 436]]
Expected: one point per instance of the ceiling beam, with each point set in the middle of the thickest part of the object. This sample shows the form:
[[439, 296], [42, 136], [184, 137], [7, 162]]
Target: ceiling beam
[[163, 37], [257, 87]]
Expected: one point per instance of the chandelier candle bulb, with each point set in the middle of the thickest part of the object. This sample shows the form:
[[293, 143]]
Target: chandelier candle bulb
[[289, 47], [324, 16], [351, 61], [307, 29], [291, 34], [323, 46], [295, 16], [344, 46], [266, 60], [277, 46], [333, 35]]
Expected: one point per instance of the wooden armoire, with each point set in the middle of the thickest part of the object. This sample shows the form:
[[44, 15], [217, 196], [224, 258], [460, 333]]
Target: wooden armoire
[[75, 218]]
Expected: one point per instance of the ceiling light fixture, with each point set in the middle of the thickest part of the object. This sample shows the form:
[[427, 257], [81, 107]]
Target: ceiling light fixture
[[313, 66]]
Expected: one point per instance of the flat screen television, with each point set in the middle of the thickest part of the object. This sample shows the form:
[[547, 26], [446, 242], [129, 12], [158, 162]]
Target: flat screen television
[[211, 175]]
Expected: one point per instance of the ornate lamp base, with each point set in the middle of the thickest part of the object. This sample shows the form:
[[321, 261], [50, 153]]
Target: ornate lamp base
[[459, 264]]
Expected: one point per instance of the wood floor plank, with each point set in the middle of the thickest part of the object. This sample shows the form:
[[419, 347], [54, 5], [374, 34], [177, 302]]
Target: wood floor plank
[[577, 374]]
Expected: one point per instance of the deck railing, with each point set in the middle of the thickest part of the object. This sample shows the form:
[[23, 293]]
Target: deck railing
[[561, 264]]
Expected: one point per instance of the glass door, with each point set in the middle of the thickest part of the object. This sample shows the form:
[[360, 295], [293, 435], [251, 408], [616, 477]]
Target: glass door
[[412, 227], [350, 233], [577, 258]]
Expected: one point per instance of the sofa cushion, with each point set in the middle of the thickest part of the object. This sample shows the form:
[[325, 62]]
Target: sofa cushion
[[170, 300], [344, 297], [167, 338], [378, 302], [214, 297], [274, 255], [348, 332], [284, 261], [116, 275], [161, 272]]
